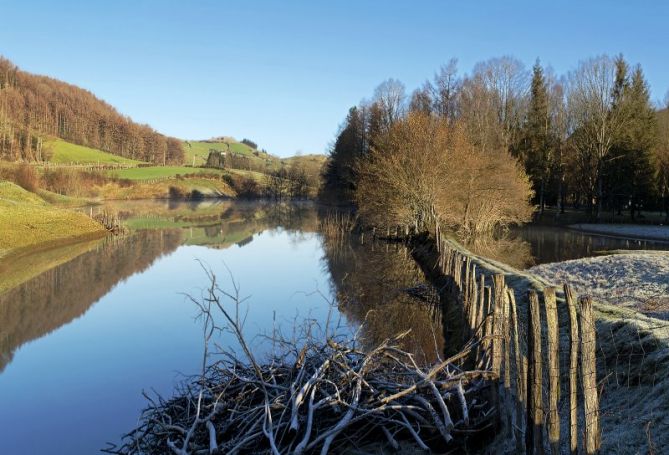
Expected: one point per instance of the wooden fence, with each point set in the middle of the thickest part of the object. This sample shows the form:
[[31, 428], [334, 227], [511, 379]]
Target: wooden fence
[[47, 165], [526, 364]]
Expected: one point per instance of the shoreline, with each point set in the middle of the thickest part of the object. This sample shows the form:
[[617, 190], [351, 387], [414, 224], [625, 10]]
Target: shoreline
[[624, 231]]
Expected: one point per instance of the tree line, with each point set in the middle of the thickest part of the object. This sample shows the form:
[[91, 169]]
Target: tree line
[[471, 150], [33, 108]]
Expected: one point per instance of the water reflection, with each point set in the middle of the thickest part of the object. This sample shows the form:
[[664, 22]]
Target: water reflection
[[379, 284], [100, 322], [551, 244], [504, 248], [88, 326], [63, 293], [531, 245]]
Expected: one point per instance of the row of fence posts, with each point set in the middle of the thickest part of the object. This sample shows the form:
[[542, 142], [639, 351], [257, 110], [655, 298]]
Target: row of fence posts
[[86, 166], [491, 316]]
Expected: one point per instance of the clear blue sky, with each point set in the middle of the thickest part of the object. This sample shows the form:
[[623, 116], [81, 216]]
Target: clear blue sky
[[284, 73]]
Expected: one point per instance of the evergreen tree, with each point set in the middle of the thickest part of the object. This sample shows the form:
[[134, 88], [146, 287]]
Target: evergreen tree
[[535, 148], [629, 170], [340, 174]]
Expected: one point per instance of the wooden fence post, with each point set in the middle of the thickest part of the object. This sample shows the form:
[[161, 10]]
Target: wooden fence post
[[573, 369], [487, 332], [474, 299], [506, 334], [533, 433], [481, 310], [553, 369], [498, 285], [589, 377], [520, 411], [506, 355]]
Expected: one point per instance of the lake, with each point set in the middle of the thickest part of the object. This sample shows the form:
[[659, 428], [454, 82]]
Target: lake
[[85, 328]]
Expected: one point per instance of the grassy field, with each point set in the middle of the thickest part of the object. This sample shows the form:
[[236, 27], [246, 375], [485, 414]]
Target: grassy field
[[161, 189], [66, 153], [199, 150], [156, 172], [27, 220]]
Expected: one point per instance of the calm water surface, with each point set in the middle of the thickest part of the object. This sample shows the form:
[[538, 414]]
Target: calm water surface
[[536, 244], [92, 325], [85, 328]]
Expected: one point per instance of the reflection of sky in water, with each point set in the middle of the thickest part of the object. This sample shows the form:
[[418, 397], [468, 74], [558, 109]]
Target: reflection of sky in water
[[74, 389]]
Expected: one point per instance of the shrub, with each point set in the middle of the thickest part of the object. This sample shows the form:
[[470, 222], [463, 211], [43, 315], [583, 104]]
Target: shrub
[[26, 177], [426, 172], [196, 194], [176, 193]]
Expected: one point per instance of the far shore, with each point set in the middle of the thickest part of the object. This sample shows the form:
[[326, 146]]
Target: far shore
[[628, 231]]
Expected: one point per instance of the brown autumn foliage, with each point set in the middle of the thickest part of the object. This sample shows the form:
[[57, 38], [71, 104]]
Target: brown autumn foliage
[[426, 172], [26, 177], [34, 107]]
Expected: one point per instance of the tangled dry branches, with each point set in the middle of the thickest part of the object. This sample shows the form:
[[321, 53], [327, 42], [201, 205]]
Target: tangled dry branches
[[315, 396]]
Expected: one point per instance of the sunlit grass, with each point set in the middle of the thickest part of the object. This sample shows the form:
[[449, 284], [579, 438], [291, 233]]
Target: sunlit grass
[[26, 219], [66, 153], [155, 172]]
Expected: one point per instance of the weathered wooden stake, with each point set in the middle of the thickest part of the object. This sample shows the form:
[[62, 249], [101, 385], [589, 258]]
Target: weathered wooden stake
[[573, 369], [533, 433], [506, 334], [487, 306], [520, 411], [553, 369], [506, 348], [474, 299], [589, 377], [481, 309], [498, 302]]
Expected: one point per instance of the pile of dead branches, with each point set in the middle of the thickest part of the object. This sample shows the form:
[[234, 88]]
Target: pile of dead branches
[[314, 397]]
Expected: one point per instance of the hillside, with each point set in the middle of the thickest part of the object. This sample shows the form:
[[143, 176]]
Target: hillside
[[28, 220], [35, 108], [246, 157], [62, 152]]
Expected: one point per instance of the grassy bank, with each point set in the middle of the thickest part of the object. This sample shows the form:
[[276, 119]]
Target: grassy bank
[[632, 362], [27, 220]]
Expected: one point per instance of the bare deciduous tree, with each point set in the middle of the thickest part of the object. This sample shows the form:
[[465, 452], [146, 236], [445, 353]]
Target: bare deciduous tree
[[390, 97], [596, 123], [427, 173]]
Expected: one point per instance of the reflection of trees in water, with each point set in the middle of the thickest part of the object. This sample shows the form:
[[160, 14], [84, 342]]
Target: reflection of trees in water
[[381, 285], [63, 293], [551, 244], [503, 247]]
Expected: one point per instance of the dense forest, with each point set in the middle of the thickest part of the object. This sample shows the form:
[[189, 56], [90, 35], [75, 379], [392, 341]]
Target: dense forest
[[462, 145], [34, 108]]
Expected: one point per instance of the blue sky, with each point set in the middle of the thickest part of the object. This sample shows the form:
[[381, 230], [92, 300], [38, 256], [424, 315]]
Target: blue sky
[[284, 73]]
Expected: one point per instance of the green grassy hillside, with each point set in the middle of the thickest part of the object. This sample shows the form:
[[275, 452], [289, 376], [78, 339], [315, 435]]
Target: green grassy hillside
[[199, 150], [26, 220], [67, 153], [156, 172]]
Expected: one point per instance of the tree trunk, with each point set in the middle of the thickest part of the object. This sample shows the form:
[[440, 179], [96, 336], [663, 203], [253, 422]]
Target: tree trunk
[[541, 197], [599, 198]]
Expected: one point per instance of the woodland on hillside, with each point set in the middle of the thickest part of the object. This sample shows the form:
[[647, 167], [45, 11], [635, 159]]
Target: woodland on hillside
[[473, 151], [34, 108]]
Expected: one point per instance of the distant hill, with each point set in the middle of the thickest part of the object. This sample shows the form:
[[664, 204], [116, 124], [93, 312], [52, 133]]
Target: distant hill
[[44, 119], [36, 109], [246, 157]]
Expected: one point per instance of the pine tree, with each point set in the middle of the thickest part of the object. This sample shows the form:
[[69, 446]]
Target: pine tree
[[535, 149], [629, 170]]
